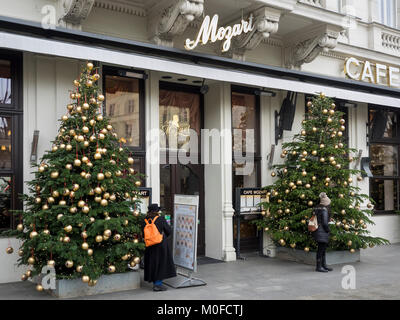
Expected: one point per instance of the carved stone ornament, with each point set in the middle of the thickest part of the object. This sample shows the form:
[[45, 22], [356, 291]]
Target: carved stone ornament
[[75, 11], [174, 20], [306, 51], [266, 23]]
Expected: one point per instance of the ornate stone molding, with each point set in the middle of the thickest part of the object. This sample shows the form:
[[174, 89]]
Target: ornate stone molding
[[173, 20], [306, 50], [75, 11], [133, 9], [266, 22]]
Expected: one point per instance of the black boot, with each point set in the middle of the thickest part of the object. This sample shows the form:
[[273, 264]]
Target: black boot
[[324, 263], [319, 266]]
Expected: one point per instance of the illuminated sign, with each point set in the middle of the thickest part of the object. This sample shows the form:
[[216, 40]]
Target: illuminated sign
[[374, 73], [209, 31]]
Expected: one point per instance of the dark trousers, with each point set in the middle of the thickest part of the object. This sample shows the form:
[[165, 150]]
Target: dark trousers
[[321, 250]]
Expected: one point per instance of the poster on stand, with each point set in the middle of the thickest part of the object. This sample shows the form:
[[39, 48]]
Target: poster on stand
[[145, 199], [185, 231]]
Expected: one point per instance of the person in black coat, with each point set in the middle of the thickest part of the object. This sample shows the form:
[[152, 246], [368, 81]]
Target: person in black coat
[[158, 260], [321, 235]]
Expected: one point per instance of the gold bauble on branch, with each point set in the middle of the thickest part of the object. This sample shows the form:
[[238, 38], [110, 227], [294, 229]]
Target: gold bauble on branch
[[325, 111], [77, 163], [33, 234], [303, 133], [59, 216], [111, 269], [9, 250], [39, 288], [85, 246], [66, 239], [108, 174], [54, 174], [24, 277], [68, 147], [104, 202], [81, 203], [310, 203], [20, 227], [85, 209], [138, 183], [79, 269], [68, 228], [31, 260], [84, 234], [51, 263], [99, 238], [90, 252], [117, 237], [83, 174], [73, 210], [85, 279], [92, 283]]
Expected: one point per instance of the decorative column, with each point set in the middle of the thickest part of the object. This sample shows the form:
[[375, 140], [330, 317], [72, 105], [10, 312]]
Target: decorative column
[[218, 173], [152, 135]]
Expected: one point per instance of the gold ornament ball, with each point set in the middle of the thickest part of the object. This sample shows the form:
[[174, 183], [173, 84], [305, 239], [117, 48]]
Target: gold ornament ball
[[325, 111], [138, 183], [73, 210], [79, 269], [24, 277], [85, 246], [90, 252], [104, 202], [9, 250], [20, 227], [310, 203], [84, 235], [66, 240], [81, 203], [51, 263], [31, 260], [68, 228], [99, 117], [111, 269], [100, 176], [54, 174], [303, 133], [85, 279], [60, 216], [306, 249], [92, 283], [107, 233], [117, 237], [39, 288], [85, 209], [33, 234], [352, 250], [77, 162], [99, 238]]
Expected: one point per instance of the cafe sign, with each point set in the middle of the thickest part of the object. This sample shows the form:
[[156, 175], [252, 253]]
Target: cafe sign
[[372, 72], [209, 31]]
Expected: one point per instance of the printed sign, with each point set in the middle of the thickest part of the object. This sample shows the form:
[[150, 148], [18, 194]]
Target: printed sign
[[185, 231], [248, 200], [145, 197]]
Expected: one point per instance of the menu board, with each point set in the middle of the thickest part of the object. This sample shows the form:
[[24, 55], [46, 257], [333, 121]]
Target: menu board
[[248, 200], [185, 231]]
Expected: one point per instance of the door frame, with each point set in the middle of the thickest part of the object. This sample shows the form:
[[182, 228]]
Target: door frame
[[172, 86]]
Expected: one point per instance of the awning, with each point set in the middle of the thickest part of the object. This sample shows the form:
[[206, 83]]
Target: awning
[[94, 52]]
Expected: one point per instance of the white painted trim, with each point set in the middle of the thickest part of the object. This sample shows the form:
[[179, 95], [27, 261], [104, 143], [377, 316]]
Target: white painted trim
[[63, 49]]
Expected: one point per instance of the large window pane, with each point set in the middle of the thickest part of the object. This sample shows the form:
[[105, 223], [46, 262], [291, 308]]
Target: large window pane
[[5, 82], [5, 142], [384, 193], [244, 118], [123, 108], [383, 124], [384, 160], [6, 191], [179, 114]]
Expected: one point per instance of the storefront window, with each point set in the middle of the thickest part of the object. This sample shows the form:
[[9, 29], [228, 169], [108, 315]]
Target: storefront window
[[5, 82], [384, 155], [122, 106], [179, 114], [6, 205], [5, 142]]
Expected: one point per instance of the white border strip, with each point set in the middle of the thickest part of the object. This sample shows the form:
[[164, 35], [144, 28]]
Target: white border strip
[[69, 50]]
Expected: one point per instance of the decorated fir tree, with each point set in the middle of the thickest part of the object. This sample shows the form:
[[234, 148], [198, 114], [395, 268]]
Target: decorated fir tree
[[81, 214], [318, 160]]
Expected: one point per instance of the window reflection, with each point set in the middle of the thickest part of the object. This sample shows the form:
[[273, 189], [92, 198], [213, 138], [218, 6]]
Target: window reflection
[[384, 160], [5, 202], [122, 106], [5, 82], [5, 142], [388, 121], [384, 193], [179, 112]]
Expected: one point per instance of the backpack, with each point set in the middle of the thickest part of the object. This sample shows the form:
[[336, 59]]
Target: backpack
[[151, 234], [313, 223]]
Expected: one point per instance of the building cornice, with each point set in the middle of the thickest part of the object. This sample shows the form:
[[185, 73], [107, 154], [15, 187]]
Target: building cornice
[[131, 8]]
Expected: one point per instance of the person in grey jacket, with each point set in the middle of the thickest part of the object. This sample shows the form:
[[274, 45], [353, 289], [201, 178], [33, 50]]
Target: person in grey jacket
[[321, 235]]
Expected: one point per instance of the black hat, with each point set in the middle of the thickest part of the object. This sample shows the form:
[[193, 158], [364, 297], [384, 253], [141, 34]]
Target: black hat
[[153, 207]]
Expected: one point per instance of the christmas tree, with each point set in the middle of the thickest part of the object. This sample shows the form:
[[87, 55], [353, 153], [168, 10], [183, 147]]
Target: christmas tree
[[81, 214], [318, 160]]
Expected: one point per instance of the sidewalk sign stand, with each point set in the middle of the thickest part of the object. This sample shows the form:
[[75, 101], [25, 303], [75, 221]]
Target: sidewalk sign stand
[[185, 224], [247, 202]]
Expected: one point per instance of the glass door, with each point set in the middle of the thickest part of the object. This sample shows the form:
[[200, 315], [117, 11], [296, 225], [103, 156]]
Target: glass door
[[180, 124]]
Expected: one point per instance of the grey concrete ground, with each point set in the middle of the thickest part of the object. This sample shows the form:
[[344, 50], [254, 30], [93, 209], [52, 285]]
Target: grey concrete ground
[[377, 277]]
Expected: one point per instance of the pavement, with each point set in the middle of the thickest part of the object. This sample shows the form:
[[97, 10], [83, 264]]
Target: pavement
[[377, 276]]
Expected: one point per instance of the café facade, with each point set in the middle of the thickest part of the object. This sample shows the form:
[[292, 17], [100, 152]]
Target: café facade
[[206, 70]]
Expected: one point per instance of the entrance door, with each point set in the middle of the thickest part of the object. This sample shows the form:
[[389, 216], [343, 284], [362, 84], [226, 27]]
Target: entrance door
[[181, 171]]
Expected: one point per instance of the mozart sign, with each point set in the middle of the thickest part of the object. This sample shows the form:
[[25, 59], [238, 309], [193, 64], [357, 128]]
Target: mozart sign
[[209, 31]]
